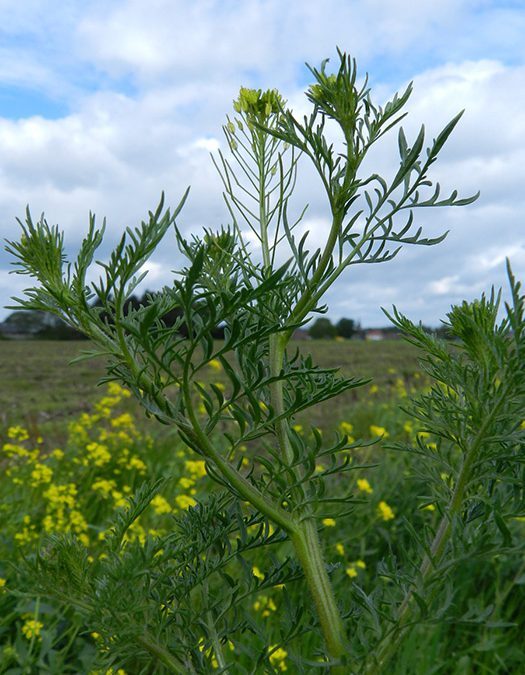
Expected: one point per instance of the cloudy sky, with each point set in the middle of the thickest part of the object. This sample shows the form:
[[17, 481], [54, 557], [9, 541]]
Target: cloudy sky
[[105, 104]]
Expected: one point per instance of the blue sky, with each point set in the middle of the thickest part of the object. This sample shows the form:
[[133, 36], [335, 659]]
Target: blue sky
[[105, 104]]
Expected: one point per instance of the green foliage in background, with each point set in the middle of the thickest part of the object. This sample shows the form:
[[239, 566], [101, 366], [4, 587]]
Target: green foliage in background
[[190, 590]]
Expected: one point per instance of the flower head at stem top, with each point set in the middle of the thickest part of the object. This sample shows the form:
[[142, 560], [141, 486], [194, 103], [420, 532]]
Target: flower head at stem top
[[257, 105]]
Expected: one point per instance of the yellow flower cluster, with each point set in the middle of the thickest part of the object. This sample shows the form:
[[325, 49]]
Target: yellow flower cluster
[[17, 434], [277, 656], [378, 431], [265, 605], [352, 569], [97, 454], [385, 511], [364, 486], [347, 429], [160, 505], [329, 522], [32, 628], [41, 475]]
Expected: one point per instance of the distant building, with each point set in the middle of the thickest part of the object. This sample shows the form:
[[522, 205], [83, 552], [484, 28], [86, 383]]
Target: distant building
[[301, 334], [376, 334]]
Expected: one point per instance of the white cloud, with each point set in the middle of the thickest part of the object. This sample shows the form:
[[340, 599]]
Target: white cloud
[[182, 63]]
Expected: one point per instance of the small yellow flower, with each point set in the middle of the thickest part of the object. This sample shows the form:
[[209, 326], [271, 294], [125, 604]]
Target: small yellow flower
[[196, 467], [136, 463], [17, 433], [364, 486], [2, 582], [186, 483], [378, 431], [298, 428], [257, 573], [351, 572], [329, 522], [41, 475], [160, 505], [361, 564], [278, 657], [215, 364], [385, 511], [340, 548], [185, 501], [32, 628], [346, 428], [429, 507], [374, 389]]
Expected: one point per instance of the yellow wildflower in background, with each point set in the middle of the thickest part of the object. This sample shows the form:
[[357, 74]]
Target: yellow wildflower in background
[[17, 433], [346, 428], [160, 505], [124, 420], [215, 364], [98, 455], [257, 573], [329, 522], [115, 389], [351, 572], [408, 427], [278, 657], [196, 467], [41, 475], [378, 431], [32, 628], [136, 463], [364, 486], [2, 582], [385, 511], [340, 548], [185, 501], [265, 605], [104, 487]]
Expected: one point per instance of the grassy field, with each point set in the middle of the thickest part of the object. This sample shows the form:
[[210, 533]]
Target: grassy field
[[39, 387]]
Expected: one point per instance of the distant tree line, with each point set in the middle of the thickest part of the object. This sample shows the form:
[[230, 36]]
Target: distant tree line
[[46, 326], [323, 329]]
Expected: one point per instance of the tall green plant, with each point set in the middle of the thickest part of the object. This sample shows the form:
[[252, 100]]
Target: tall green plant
[[260, 300]]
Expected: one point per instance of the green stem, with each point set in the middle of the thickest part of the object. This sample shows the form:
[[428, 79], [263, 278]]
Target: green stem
[[236, 479], [304, 304], [216, 643], [162, 654], [308, 550], [304, 538]]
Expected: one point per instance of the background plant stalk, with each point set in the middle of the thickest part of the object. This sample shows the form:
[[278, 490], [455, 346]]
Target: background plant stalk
[[437, 548]]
